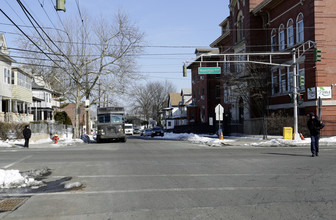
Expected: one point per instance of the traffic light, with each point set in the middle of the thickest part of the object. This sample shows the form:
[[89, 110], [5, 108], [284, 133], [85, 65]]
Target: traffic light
[[317, 55], [300, 99], [301, 81], [184, 70], [60, 5]]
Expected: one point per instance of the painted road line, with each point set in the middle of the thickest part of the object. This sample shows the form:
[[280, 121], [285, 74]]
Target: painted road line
[[19, 161]]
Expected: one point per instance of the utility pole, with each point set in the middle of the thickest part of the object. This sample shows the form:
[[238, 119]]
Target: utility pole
[[99, 94], [87, 101]]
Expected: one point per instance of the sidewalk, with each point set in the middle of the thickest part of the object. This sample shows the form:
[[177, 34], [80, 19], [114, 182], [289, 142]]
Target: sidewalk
[[213, 141], [44, 143]]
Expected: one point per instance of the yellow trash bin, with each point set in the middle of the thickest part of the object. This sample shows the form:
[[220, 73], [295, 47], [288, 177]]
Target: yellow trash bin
[[288, 133]]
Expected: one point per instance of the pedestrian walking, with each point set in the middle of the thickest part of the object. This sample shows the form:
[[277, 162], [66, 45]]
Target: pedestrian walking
[[26, 134], [314, 125]]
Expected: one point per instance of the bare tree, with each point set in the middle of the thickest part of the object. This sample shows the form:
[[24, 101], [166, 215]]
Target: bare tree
[[88, 51], [149, 99], [253, 86]]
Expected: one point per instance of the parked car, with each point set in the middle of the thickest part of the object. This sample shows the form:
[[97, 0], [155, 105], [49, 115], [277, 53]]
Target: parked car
[[157, 131], [146, 132], [136, 131]]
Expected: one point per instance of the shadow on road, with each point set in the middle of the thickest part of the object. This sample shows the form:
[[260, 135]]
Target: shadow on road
[[286, 154]]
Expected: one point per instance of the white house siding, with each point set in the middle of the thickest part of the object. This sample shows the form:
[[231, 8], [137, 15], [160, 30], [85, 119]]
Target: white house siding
[[5, 89], [22, 94]]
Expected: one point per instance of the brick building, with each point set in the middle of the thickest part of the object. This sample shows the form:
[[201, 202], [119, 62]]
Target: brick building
[[272, 26]]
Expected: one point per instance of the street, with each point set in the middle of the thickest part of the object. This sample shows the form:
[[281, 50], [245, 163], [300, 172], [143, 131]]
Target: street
[[160, 179]]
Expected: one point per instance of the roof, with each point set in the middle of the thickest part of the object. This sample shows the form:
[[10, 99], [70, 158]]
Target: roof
[[175, 99], [265, 6], [200, 51], [186, 91]]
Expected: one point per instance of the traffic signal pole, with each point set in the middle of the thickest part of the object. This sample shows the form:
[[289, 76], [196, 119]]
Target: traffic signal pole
[[296, 135], [297, 53]]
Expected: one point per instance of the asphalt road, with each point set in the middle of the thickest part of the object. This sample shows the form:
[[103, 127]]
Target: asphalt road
[[160, 179]]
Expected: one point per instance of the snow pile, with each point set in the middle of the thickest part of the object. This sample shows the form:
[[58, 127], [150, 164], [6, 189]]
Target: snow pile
[[73, 185], [196, 139], [210, 140], [14, 179], [5, 144]]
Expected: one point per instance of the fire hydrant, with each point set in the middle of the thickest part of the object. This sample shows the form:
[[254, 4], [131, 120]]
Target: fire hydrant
[[55, 139]]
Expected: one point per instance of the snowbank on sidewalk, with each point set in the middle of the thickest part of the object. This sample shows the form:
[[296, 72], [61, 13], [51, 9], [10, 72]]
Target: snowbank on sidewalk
[[14, 179]]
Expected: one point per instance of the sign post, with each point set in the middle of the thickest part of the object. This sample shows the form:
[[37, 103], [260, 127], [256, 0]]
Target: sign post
[[219, 117]]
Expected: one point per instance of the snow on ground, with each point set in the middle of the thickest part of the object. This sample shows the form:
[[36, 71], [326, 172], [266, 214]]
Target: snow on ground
[[15, 179]]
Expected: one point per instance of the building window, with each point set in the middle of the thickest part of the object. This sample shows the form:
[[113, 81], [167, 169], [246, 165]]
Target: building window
[[13, 77], [7, 76], [290, 79], [240, 27], [290, 33], [226, 67], [274, 40], [275, 82], [299, 28], [283, 81], [281, 37], [217, 91], [301, 72], [226, 95]]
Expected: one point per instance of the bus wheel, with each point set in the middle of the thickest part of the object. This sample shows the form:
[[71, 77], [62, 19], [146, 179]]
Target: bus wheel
[[123, 139]]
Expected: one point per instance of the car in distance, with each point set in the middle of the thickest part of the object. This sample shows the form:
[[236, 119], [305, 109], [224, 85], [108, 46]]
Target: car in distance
[[129, 129], [157, 131], [146, 132], [136, 131]]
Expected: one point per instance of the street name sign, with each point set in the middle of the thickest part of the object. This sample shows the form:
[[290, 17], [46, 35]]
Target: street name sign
[[209, 70]]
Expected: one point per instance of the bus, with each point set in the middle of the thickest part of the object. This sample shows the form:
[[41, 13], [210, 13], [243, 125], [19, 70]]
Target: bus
[[111, 124]]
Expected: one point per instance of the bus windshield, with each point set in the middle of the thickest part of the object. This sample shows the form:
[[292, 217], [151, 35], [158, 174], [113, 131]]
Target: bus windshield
[[110, 118]]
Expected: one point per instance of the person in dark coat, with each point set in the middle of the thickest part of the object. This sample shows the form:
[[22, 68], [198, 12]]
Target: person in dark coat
[[26, 135], [314, 125]]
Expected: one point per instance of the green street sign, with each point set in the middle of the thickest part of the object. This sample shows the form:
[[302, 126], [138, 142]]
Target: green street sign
[[209, 70]]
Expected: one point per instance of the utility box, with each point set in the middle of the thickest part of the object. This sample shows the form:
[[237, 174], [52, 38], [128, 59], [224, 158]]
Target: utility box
[[288, 133]]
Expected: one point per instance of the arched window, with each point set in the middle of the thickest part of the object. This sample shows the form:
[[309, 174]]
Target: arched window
[[240, 27], [299, 28], [274, 40], [281, 37], [290, 33]]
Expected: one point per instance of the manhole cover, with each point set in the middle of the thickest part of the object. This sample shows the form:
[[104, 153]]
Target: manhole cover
[[10, 204]]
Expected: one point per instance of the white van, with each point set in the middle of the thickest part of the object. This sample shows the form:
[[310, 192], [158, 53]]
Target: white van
[[129, 129]]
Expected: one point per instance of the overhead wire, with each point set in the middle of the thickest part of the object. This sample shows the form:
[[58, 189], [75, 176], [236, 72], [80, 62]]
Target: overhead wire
[[65, 56]]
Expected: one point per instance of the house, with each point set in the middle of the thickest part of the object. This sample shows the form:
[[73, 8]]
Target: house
[[15, 89], [172, 114], [206, 93], [45, 101], [70, 109], [273, 26], [186, 101]]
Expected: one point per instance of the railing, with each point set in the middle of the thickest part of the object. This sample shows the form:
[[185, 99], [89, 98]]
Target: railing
[[15, 117]]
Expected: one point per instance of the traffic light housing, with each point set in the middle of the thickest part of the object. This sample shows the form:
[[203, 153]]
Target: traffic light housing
[[301, 81], [60, 5], [184, 70], [317, 55]]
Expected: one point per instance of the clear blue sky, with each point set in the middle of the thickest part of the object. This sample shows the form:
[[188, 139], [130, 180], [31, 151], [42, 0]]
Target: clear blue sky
[[192, 23]]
